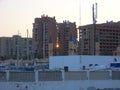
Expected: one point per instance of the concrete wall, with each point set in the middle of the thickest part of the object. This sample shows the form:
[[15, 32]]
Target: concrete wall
[[116, 75], [57, 62], [58, 76], [2, 76], [76, 75], [76, 63], [50, 76], [22, 76], [99, 75]]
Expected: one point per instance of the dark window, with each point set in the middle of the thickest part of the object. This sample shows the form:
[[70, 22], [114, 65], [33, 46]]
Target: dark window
[[66, 68], [90, 64]]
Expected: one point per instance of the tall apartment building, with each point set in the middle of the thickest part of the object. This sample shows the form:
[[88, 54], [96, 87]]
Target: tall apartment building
[[67, 38], [15, 47], [44, 33], [105, 41]]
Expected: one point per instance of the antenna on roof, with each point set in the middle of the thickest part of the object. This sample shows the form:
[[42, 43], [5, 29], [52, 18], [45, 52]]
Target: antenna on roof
[[94, 10]]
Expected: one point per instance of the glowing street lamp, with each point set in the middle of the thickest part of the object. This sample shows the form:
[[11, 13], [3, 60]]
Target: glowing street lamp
[[57, 45]]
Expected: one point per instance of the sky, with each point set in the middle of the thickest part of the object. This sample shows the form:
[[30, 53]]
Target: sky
[[17, 16]]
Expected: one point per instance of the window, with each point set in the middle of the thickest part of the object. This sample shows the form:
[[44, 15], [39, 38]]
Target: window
[[90, 65], [84, 67], [66, 68], [96, 64]]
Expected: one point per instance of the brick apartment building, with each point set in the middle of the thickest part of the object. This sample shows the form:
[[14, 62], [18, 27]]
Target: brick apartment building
[[44, 32], [106, 40], [67, 38]]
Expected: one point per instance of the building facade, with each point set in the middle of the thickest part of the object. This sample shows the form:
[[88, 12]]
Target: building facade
[[67, 38], [15, 47], [5, 47], [44, 32], [105, 40]]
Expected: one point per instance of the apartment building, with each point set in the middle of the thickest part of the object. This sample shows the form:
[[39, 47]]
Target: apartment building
[[15, 47], [101, 39], [44, 36], [27, 52], [21, 47], [5, 47], [67, 38]]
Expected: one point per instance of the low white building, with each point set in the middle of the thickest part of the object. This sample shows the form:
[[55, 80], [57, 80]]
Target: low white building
[[81, 62]]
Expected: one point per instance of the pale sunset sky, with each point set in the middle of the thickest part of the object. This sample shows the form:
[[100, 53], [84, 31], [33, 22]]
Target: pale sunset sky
[[18, 15]]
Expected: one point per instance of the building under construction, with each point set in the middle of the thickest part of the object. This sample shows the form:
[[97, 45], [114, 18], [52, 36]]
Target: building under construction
[[105, 42]]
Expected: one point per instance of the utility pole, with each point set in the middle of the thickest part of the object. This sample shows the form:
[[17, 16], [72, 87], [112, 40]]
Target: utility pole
[[44, 38], [27, 45], [94, 9], [80, 38], [18, 48]]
